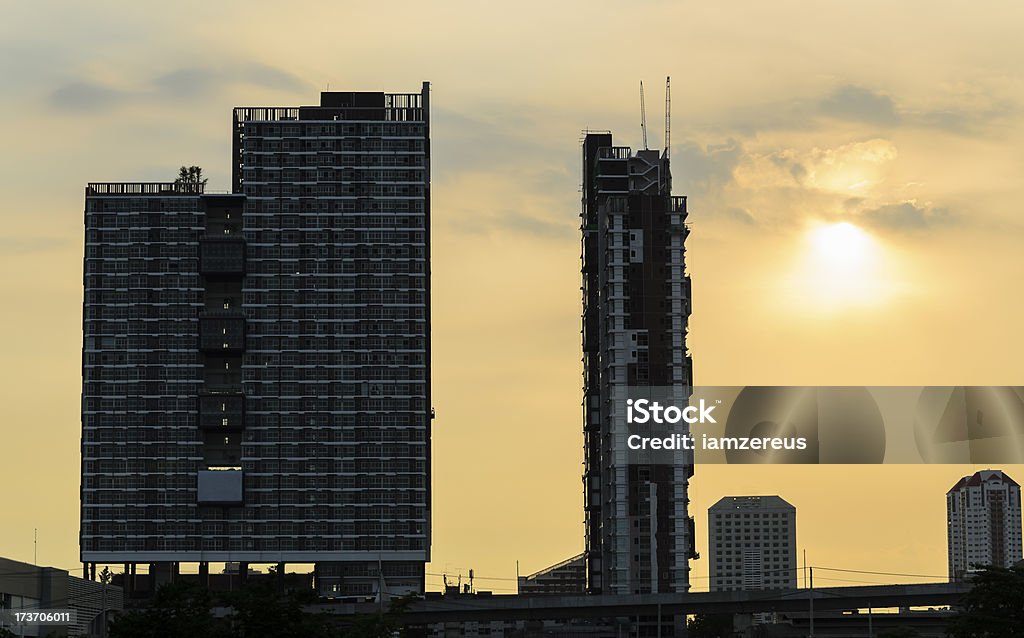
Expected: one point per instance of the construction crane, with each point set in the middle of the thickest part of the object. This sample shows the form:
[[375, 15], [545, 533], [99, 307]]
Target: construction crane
[[643, 115], [668, 117]]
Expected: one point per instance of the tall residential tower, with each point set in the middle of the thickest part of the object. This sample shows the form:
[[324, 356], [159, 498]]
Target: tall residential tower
[[983, 522], [256, 366], [636, 302]]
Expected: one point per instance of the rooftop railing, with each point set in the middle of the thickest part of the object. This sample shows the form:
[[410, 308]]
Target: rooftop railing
[[396, 107], [144, 188], [615, 152]]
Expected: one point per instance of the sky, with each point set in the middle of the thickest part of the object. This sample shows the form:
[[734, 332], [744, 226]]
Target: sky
[[853, 174]]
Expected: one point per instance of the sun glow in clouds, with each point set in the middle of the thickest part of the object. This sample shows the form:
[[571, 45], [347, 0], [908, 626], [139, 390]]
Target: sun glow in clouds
[[840, 267]]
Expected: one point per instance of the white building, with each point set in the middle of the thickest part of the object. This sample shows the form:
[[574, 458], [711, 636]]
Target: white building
[[752, 543], [983, 522]]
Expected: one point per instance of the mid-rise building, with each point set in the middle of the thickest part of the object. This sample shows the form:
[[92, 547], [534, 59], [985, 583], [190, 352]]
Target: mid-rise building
[[256, 365], [636, 303], [752, 544], [567, 577], [983, 523], [30, 588]]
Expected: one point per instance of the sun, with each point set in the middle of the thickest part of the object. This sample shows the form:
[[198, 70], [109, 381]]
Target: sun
[[841, 246], [839, 268]]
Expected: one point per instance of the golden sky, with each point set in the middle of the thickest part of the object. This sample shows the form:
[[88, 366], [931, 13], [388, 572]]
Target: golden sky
[[854, 180]]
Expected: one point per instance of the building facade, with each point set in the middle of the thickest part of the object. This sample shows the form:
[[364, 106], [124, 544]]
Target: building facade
[[256, 366], [636, 303], [983, 523], [30, 588], [567, 577], [752, 544]]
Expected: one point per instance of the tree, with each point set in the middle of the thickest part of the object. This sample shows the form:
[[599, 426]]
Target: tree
[[899, 632], [994, 608], [261, 610], [710, 626], [384, 624], [191, 175], [178, 610]]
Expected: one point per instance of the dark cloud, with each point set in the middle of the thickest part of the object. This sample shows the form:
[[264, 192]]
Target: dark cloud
[[703, 173], [200, 81], [85, 97], [907, 216], [851, 102], [856, 103], [700, 169], [190, 82]]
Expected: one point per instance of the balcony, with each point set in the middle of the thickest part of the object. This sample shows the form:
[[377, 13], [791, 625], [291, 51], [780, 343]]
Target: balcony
[[222, 331], [222, 412], [222, 256]]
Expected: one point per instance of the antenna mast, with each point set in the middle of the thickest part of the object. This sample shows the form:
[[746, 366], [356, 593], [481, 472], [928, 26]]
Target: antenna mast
[[668, 117], [643, 115]]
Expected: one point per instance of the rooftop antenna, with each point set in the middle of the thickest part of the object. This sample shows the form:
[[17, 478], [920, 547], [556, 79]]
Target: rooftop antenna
[[643, 115], [668, 116]]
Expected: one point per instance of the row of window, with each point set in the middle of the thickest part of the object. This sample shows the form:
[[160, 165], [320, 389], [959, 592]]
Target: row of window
[[256, 144], [331, 129], [137, 205], [199, 543]]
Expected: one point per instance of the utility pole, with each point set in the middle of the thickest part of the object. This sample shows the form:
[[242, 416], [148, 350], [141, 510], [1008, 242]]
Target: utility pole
[[811, 570]]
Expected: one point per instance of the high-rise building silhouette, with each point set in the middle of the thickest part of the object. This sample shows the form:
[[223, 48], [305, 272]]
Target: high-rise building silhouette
[[983, 523], [752, 544], [636, 303], [256, 365]]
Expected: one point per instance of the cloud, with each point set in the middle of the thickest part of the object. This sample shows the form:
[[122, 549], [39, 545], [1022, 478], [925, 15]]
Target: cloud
[[516, 223], [907, 216], [200, 81], [698, 169], [84, 97], [848, 169], [188, 82], [960, 111], [856, 103]]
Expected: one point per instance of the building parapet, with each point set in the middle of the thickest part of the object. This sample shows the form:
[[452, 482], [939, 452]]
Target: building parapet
[[144, 188]]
